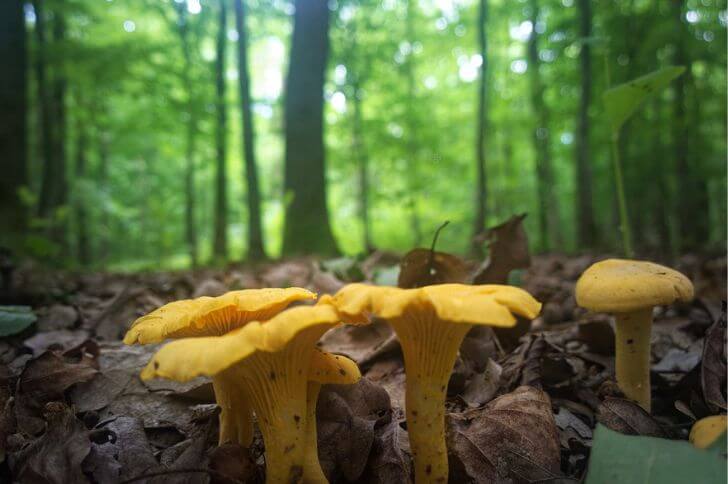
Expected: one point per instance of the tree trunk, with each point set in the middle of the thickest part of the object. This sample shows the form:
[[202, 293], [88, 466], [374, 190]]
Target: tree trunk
[[362, 166], [412, 155], [59, 227], [12, 122], [548, 210], [256, 247], [46, 198], [307, 228], [191, 141], [82, 237], [586, 227], [691, 216], [103, 186], [220, 215], [481, 194], [357, 67]]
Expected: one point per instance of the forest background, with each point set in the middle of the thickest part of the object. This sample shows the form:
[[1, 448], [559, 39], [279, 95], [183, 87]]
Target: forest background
[[162, 134]]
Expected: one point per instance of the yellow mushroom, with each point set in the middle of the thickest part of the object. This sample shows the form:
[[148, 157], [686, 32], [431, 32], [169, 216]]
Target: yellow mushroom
[[630, 289], [270, 363], [213, 316], [707, 430], [326, 368], [431, 322], [216, 316]]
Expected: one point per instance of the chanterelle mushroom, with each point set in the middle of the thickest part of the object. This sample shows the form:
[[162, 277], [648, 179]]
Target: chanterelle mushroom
[[270, 363], [630, 289], [431, 322], [326, 368], [215, 316], [707, 430]]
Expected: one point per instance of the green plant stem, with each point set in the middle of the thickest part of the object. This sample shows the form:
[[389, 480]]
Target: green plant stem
[[621, 199]]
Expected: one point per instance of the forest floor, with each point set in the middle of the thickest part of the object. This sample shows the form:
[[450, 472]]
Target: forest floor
[[522, 410]]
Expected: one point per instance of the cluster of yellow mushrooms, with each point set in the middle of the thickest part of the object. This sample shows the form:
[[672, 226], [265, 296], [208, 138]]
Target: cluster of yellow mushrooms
[[263, 360]]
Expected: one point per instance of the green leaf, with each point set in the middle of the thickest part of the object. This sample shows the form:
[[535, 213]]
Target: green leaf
[[629, 459], [14, 319], [623, 100]]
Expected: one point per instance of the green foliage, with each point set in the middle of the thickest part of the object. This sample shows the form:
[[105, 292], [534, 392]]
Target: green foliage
[[14, 319], [630, 460], [622, 101], [416, 84]]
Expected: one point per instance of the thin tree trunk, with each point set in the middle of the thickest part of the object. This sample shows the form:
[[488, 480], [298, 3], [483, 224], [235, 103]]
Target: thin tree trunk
[[691, 211], [48, 175], [362, 166], [481, 194], [307, 228], [411, 133], [82, 237], [58, 103], [256, 247], [586, 227], [548, 210], [103, 185], [12, 122], [356, 72], [191, 141], [220, 215]]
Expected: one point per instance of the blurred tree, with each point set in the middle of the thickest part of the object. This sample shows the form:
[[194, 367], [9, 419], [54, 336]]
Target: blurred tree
[[481, 187], [586, 228], [307, 228], [549, 220], [83, 249], [60, 130], [220, 213], [183, 22], [412, 134], [256, 247], [47, 198], [13, 106]]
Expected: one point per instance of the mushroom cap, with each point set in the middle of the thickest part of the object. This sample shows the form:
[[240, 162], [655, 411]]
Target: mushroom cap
[[488, 304], [187, 358], [620, 285], [707, 430], [329, 368], [212, 316]]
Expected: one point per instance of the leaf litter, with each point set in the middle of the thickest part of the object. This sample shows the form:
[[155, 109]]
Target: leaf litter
[[521, 407]]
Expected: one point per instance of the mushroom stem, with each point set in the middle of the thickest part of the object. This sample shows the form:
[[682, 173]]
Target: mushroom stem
[[276, 385], [236, 419], [429, 349], [633, 331], [312, 471]]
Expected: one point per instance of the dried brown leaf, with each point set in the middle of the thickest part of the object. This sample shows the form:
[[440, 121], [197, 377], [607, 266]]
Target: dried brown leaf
[[627, 417], [424, 267], [713, 369], [512, 439], [508, 250], [55, 457]]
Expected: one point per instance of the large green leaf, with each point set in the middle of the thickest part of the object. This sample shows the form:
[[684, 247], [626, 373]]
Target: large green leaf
[[628, 459], [623, 100], [14, 319]]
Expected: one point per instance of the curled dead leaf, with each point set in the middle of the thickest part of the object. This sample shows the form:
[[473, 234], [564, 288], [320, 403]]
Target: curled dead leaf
[[512, 439]]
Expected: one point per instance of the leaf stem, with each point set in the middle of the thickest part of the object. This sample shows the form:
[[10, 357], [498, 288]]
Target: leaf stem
[[624, 227]]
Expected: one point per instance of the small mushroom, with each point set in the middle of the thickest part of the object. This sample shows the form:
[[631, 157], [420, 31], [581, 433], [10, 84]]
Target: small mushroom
[[268, 362], [707, 430], [326, 368], [630, 290], [431, 322], [215, 316]]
